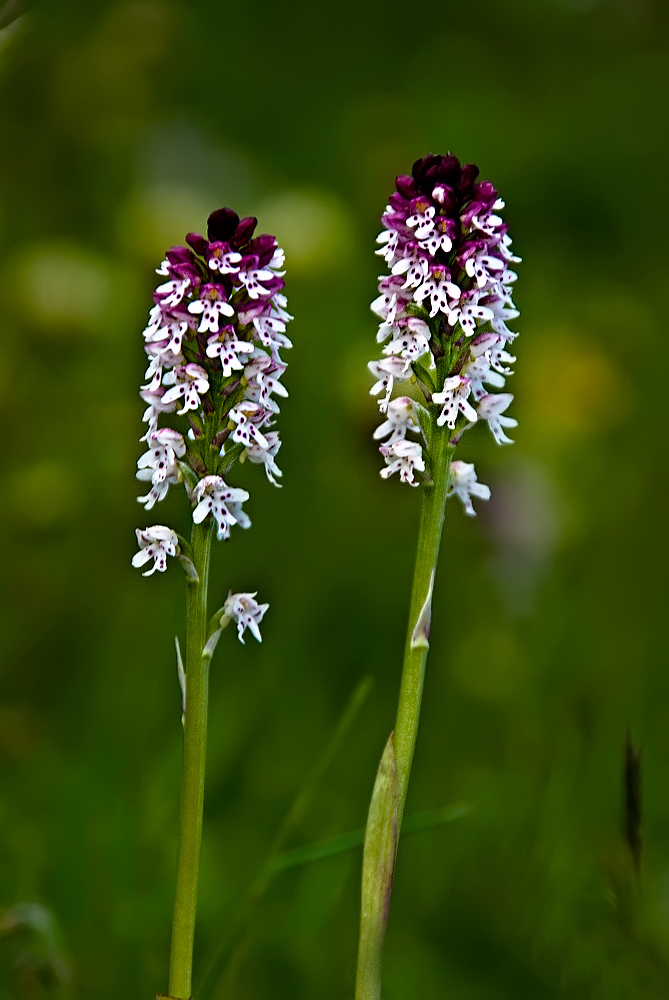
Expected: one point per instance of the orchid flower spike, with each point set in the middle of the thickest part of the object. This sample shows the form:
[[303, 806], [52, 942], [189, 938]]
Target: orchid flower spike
[[444, 306], [213, 344]]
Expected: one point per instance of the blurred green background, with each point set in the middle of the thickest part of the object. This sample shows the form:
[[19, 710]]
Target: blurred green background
[[123, 125]]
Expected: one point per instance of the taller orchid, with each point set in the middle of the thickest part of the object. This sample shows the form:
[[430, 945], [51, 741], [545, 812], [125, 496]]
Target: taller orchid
[[213, 340], [444, 309]]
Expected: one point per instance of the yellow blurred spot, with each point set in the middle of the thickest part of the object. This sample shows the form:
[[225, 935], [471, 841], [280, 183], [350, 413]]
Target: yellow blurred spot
[[43, 494], [62, 288], [568, 385], [490, 665], [313, 227]]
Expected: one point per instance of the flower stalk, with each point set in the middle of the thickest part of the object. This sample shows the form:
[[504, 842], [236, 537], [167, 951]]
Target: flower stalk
[[192, 768], [418, 632], [443, 307]]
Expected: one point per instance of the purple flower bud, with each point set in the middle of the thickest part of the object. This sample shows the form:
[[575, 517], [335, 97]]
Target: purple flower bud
[[468, 175], [244, 231], [406, 186], [221, 225], [197, 242]]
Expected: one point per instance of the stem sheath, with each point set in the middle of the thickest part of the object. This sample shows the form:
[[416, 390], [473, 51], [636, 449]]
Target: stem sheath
[[193, 766]]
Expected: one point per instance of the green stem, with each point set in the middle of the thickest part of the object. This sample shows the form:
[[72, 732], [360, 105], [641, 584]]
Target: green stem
[[417, 644], [193, 764], [387, 806]]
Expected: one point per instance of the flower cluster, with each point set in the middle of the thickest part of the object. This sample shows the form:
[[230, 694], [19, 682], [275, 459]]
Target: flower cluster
[[213, 343], [444, 308]]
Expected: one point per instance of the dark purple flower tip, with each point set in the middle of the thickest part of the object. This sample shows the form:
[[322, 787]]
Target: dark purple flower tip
[[485, 192], [434, 169], [180, 255], [406, 186], [221, 225], [263, 247], [197, 242], [244, 231], [468, 175], [186, 270]]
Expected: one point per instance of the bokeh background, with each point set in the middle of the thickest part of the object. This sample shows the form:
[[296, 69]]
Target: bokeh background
[[123, 125]]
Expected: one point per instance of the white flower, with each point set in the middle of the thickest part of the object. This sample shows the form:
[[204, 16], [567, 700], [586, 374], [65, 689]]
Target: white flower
[[454, 399], [436, 241], [251, 280], [157, 543], [172, 292], [479, 370], [388, 237], [388, 371], [400, 420], [481, 265], [463, 483], [256, 454], [415, 267], [443, 294], [213, 496], [411, 341], [468, 314], [403, 457], [189, 382], [271, 330], [159, 357], [228, 350], [212, 306], [422, 222], [490, 408], [223, 262], [247, 432], [159, 464], [263, 374], [245, 610], [156, 406]]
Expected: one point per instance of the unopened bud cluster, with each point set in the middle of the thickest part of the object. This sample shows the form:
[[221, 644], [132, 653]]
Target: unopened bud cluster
[[444, 309]]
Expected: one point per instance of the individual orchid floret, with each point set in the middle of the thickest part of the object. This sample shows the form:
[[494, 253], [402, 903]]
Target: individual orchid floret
[[211, 306], [491, 408], [230, 351], [213, 496], [246, 416], [400, 420], [388, 371], [403, 456], [157, 543], [453, 400], [411, 339], [257, 454], [246, 612], [159, 465], [190, 382], [463, 484]]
